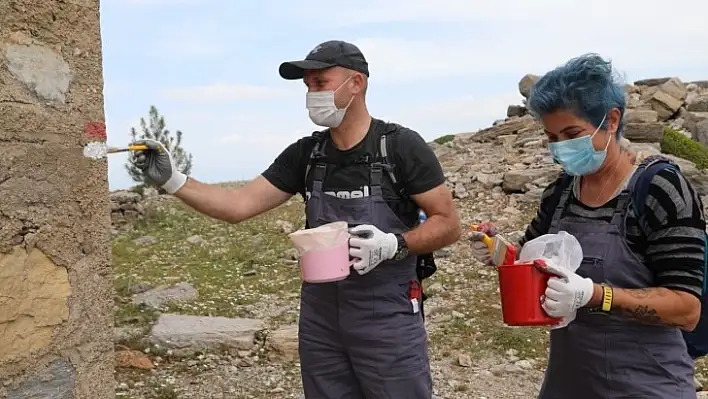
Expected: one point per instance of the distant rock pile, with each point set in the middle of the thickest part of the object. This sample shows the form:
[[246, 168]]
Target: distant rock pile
[[510, 163], [127, 207], [652, 104]]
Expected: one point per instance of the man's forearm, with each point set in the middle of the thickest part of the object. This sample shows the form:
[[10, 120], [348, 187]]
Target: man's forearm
[[655, 306], [211, 200], [437, 232]]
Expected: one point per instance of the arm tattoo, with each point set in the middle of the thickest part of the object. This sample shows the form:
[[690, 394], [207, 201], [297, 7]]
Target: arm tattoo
[[643, 313]]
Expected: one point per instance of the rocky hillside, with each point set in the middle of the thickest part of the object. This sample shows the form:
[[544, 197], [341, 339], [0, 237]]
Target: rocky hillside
[[209, 310], [662, 115]]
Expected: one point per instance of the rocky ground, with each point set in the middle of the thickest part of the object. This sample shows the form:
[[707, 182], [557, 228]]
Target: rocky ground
[[208, 310]]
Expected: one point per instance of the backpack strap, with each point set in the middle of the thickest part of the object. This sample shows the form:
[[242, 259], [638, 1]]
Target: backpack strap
[[386, 132], [562, 192], [389, 166], [641, 180], [705, 266], [317, 151]]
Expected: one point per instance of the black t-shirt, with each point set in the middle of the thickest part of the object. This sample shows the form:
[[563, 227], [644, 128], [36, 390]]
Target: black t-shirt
[[348, 175]]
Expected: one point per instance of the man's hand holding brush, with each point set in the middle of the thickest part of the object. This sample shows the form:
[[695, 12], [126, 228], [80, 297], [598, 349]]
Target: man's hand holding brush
[[158, 167]]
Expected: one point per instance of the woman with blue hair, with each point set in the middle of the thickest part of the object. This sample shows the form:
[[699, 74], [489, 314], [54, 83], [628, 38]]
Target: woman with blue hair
[[641, 278]]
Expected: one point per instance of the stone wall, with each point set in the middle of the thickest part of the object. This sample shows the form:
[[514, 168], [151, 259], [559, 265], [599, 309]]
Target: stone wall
[[56, 305], [128, 207]]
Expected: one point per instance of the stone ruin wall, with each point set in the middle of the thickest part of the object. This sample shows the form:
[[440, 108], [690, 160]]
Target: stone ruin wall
[[55, 285]]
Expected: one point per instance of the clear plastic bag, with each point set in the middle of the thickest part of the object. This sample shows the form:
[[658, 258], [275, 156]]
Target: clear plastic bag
[[561, 252]]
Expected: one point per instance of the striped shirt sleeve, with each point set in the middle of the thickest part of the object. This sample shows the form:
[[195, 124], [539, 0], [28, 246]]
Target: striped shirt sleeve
[[674, 226]]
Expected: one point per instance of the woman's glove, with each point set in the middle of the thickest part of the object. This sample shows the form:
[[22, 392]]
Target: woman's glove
[[480, 251], [566, 291]]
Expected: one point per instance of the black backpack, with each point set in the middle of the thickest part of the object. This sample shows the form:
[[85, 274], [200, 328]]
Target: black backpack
[[696, 340]]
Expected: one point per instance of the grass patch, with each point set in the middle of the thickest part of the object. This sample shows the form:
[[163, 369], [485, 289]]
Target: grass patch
[[234, 265], [444, 139], [675, 143], [474, 323], [129, 314]]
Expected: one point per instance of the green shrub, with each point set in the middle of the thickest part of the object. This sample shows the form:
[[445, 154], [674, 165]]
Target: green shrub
[[444, 139], [675, 143]]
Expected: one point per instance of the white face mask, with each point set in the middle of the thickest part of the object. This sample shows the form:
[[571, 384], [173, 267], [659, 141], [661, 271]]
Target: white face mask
[[323, 111]]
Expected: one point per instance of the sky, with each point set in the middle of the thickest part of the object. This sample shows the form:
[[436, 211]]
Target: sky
[[438, 67]]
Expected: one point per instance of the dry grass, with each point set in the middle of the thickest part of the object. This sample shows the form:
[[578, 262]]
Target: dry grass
[[233, 266], [246, 270]]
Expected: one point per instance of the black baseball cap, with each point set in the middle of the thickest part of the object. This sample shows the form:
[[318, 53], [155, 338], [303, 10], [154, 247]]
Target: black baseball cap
[[327, 55]]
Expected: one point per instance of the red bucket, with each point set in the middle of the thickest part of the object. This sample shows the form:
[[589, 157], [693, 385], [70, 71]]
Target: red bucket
[[521, 287]]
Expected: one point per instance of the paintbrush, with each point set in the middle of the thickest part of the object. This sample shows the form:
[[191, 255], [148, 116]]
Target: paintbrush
[[503, 252], [139, 147]]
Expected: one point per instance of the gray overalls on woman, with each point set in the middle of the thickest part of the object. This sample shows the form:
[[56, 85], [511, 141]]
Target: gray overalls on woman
[[601, 355], [360, 338]]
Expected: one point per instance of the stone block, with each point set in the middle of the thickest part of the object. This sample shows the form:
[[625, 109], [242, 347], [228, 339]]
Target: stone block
[[641, 115], [187, 334], [56, 381], [41, 69], [34, 301], [644, 132], [665, 105]]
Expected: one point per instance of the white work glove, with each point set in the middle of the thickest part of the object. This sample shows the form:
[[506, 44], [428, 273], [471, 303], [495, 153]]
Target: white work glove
[[567, 293], [370, 246], [158, 166], [480, 251]]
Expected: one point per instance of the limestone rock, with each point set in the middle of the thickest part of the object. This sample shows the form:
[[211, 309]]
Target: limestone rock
[[664, 104], [651, 81], [35, 294], [195, 240], [56, 381], [517, 181], [698, 103], [188, 334], [283, 344], [641, 116], [160, 296], [464, 360], [674, 88], [701, 132], [128, 207], [515, 110], [644, 132], [41, 69], [146, 240], [526, 83]]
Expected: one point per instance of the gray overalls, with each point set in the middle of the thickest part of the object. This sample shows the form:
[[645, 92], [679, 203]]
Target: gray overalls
[[602, 356], [359, 337]]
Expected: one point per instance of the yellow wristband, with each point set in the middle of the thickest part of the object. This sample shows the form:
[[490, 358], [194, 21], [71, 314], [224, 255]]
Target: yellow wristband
[[607, 293]]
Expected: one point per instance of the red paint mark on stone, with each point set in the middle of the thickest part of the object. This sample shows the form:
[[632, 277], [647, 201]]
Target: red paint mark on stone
[[95, 130]]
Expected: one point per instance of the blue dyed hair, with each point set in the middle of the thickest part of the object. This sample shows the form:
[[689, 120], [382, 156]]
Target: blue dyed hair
[[585, 85]]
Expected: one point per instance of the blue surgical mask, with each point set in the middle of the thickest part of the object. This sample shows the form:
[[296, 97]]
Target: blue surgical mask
[[578, 156]]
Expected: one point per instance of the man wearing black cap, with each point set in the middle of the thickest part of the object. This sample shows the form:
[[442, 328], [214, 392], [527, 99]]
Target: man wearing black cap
[[362, 337]]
